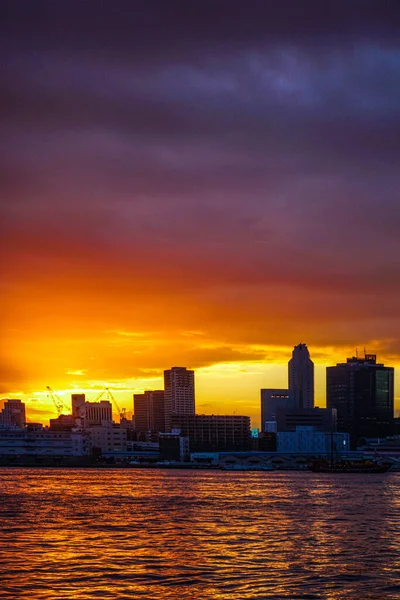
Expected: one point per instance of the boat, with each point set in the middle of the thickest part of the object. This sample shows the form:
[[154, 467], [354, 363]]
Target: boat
[[348, 466]]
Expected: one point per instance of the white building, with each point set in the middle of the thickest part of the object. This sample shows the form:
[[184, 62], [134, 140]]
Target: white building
[[107, 437], [41, 441]]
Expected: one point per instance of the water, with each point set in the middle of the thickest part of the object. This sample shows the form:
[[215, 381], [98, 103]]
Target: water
[[198, 535]]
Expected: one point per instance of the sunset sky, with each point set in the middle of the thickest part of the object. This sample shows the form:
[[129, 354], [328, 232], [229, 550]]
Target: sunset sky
[[196, 183]]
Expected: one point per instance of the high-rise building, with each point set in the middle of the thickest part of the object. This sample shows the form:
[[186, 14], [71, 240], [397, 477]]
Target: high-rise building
[[13, 414], [362, 391], [179, 393], [271, 400], [77, 400], [301, 378], [149, 411]]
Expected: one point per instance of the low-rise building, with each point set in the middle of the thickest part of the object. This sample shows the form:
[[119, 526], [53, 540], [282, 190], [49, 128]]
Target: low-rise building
[[107, 438], [41, 441], [174, 447], [212, 433], [63, 423], [308, 440]]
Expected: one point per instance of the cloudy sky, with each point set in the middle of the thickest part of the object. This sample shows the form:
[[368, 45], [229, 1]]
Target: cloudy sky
[[203, 183]]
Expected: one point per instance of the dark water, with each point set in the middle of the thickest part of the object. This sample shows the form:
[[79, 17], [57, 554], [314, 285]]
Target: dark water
[[212, 535]]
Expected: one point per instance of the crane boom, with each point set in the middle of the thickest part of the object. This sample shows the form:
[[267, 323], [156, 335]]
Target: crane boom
[[58, 403], [107, 392]]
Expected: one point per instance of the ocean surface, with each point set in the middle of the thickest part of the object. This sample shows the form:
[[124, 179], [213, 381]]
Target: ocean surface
[[82, 533]]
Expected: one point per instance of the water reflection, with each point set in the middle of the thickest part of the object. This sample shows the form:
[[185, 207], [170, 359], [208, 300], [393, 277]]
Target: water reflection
[[119, 534]]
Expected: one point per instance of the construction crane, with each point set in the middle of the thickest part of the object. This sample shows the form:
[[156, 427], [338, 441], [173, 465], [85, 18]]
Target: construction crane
[[109, 396], [58, 403]]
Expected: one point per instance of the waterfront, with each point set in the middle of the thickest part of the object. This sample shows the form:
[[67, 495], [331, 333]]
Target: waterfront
[[84, 534]]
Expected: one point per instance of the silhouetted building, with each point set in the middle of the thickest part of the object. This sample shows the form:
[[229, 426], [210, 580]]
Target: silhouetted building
[[322, 419], [13, 413], [301, 378], [174, 447], [77, 400], [179, 393], [267, 441], [149, 409], [129, 426], [63, 423], [212, 433], [271, 400], [271, 426], [96, 413], [362, 392]]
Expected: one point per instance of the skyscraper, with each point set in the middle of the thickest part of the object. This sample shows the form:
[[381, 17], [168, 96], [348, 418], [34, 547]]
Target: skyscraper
[[362, 391], [179, 393], [301, 378]]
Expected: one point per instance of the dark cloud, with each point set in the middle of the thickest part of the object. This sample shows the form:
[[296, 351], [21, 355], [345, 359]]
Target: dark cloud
[[254, 148], [180, 26]]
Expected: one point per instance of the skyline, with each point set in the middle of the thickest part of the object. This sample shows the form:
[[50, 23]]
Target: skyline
[[43, 406], [196, 186]]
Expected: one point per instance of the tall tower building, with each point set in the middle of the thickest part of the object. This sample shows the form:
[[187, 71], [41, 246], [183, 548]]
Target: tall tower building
[[301, 378], [362, 391], [179, 393]]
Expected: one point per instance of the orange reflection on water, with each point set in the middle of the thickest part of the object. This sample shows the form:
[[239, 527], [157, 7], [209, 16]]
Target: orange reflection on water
[[200, 535]]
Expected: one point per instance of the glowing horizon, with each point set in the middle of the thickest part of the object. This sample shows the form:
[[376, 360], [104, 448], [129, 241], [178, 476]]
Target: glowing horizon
[[210, 193], [221, 388]]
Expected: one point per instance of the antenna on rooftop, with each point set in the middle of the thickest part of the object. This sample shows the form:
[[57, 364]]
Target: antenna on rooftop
[[356, 352]]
